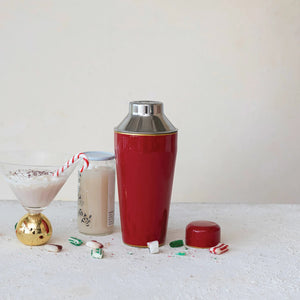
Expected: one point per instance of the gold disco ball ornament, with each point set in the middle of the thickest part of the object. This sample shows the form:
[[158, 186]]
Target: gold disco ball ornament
[[35, 180], [34, 229]]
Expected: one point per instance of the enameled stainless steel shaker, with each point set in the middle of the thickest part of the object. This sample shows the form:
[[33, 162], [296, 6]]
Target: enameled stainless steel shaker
[[145, 149]]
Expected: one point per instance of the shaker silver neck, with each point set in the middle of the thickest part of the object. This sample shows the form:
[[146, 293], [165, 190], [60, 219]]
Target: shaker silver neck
[[146, 117]]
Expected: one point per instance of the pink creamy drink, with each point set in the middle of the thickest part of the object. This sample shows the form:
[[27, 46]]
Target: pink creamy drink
[[35, 189]]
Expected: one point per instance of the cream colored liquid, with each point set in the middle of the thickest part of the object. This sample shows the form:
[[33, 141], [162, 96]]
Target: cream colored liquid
[[35, 192], [96, 196]]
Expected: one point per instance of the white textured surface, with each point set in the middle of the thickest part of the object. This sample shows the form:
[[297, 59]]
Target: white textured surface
[[263, 261]]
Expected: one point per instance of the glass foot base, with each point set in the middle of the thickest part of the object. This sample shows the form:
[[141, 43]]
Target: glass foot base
[[34, 229]]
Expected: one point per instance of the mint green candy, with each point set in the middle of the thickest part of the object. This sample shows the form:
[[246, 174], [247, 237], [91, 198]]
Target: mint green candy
[[97, 253], [74, 241], [181, 253], [175, 244]]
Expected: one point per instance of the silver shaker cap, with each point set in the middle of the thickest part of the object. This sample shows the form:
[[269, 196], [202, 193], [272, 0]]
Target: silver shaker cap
[[146, 117]]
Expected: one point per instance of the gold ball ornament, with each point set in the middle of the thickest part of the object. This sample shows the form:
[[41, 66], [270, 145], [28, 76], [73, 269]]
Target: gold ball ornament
[[34, 229]]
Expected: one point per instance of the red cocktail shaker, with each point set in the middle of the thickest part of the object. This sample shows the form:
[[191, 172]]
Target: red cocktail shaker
[[145, 149]]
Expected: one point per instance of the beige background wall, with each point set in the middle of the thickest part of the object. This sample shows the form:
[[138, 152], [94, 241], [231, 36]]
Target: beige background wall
[[227, 71]]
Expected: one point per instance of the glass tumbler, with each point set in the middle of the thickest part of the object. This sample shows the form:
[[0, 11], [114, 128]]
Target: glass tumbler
[[96, 194]]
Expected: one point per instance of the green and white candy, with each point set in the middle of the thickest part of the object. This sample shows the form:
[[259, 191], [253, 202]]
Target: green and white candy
[[97, 253], [74, 241]]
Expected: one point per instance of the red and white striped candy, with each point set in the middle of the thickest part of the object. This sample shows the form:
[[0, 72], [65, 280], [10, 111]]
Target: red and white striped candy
[[94, 244], [71, 161], [219, 249]]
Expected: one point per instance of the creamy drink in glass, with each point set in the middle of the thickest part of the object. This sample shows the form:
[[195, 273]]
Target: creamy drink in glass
[[36, 177], [96, 195], [34, 188]]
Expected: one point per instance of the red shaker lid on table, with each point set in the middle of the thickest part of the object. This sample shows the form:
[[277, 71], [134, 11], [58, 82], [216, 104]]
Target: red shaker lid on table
[[202, 234]]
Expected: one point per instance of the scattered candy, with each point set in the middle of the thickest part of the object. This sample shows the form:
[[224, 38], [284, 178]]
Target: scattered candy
[[97, 253], [16, 225], [181, 253], [53, 248], [176, 244], [153, 247], [74, 241], [219, 249], [94, 244]]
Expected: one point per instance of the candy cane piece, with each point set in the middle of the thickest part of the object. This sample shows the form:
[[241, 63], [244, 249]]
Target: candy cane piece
[[219, 249], [71, 161]]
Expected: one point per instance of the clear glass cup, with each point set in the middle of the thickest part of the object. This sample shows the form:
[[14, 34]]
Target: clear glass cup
[[96, 194]]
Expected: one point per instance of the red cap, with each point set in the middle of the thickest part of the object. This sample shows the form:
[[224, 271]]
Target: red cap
[[202, 234]]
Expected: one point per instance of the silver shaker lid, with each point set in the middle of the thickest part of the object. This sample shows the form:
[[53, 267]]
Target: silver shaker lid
[[146, 117]]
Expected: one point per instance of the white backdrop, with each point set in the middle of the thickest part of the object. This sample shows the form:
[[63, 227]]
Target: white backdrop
[[227, 71]]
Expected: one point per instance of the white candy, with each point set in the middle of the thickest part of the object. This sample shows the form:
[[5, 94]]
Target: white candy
[[53, 248], [94, 244], [153, 247]]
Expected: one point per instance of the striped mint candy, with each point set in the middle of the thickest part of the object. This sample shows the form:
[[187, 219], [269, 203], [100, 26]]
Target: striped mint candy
[[94, 244], [219, 249]]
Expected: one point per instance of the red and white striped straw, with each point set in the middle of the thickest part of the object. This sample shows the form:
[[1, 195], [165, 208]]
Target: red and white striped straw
[[219, 249], [71, 161]]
